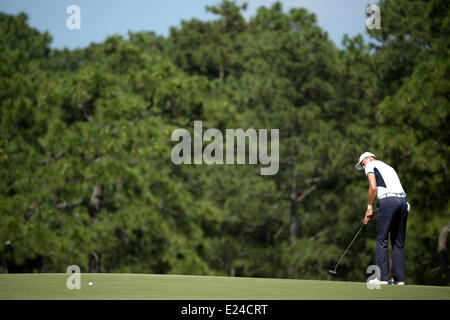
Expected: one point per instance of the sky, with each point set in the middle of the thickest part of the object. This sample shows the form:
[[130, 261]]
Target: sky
[[103, 18]]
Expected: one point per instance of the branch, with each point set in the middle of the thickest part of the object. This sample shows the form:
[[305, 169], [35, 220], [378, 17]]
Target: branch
[[304, 194], [315, 179], [320, 234], [68, 205], [279, 231], [51, 160]]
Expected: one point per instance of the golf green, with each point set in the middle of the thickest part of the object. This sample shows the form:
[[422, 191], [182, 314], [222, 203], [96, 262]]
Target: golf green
[[186, 287]]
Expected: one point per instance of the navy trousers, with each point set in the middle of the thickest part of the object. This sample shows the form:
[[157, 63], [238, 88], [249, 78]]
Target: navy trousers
[[391, 219]]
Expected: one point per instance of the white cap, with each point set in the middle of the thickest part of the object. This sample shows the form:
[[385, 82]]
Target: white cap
[[358, 166]]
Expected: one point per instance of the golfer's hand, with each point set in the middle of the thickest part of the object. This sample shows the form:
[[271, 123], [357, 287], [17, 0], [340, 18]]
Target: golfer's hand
[[369, 216]]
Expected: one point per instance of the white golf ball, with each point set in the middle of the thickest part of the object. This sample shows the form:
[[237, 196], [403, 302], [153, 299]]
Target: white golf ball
[[91, 283]]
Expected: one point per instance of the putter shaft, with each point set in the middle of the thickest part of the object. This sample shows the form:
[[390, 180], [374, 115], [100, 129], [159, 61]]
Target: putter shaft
[[362, 225]]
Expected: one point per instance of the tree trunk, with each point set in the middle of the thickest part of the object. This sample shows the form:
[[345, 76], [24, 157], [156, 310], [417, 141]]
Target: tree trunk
[[96, 200], [221, 73], [293, 199], [293, 222], [94, 262], [442, 250]]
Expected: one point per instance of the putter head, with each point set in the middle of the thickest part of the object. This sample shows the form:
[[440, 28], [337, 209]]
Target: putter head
[[333, 272]]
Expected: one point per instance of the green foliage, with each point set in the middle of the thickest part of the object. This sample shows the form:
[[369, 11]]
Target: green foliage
[[85, 141]]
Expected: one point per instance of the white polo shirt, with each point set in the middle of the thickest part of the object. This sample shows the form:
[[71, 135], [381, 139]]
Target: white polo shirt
[[386, 177]]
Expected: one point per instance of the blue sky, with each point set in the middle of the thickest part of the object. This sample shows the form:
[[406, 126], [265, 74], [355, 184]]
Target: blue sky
[[102, 18]]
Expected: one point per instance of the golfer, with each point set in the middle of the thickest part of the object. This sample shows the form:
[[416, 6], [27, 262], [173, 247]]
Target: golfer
[[391, 218]]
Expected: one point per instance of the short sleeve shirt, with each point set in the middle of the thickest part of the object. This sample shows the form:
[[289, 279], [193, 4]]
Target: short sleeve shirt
[[386, 177]]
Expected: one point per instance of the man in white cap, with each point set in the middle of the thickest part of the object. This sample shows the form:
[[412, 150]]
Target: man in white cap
[[392, 215]]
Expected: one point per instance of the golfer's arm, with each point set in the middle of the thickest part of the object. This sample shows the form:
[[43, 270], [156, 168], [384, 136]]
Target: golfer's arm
[[372, 188]]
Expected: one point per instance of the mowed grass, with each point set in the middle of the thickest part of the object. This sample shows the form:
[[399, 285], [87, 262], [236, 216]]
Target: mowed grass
[[186, 287]]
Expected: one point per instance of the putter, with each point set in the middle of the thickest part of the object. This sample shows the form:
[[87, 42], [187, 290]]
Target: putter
[[334, 272]]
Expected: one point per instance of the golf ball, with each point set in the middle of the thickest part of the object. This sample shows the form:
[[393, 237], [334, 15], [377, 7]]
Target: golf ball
[[91, 283]]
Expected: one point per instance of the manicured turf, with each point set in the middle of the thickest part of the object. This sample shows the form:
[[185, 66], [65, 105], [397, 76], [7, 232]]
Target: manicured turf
[[177, 287]]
